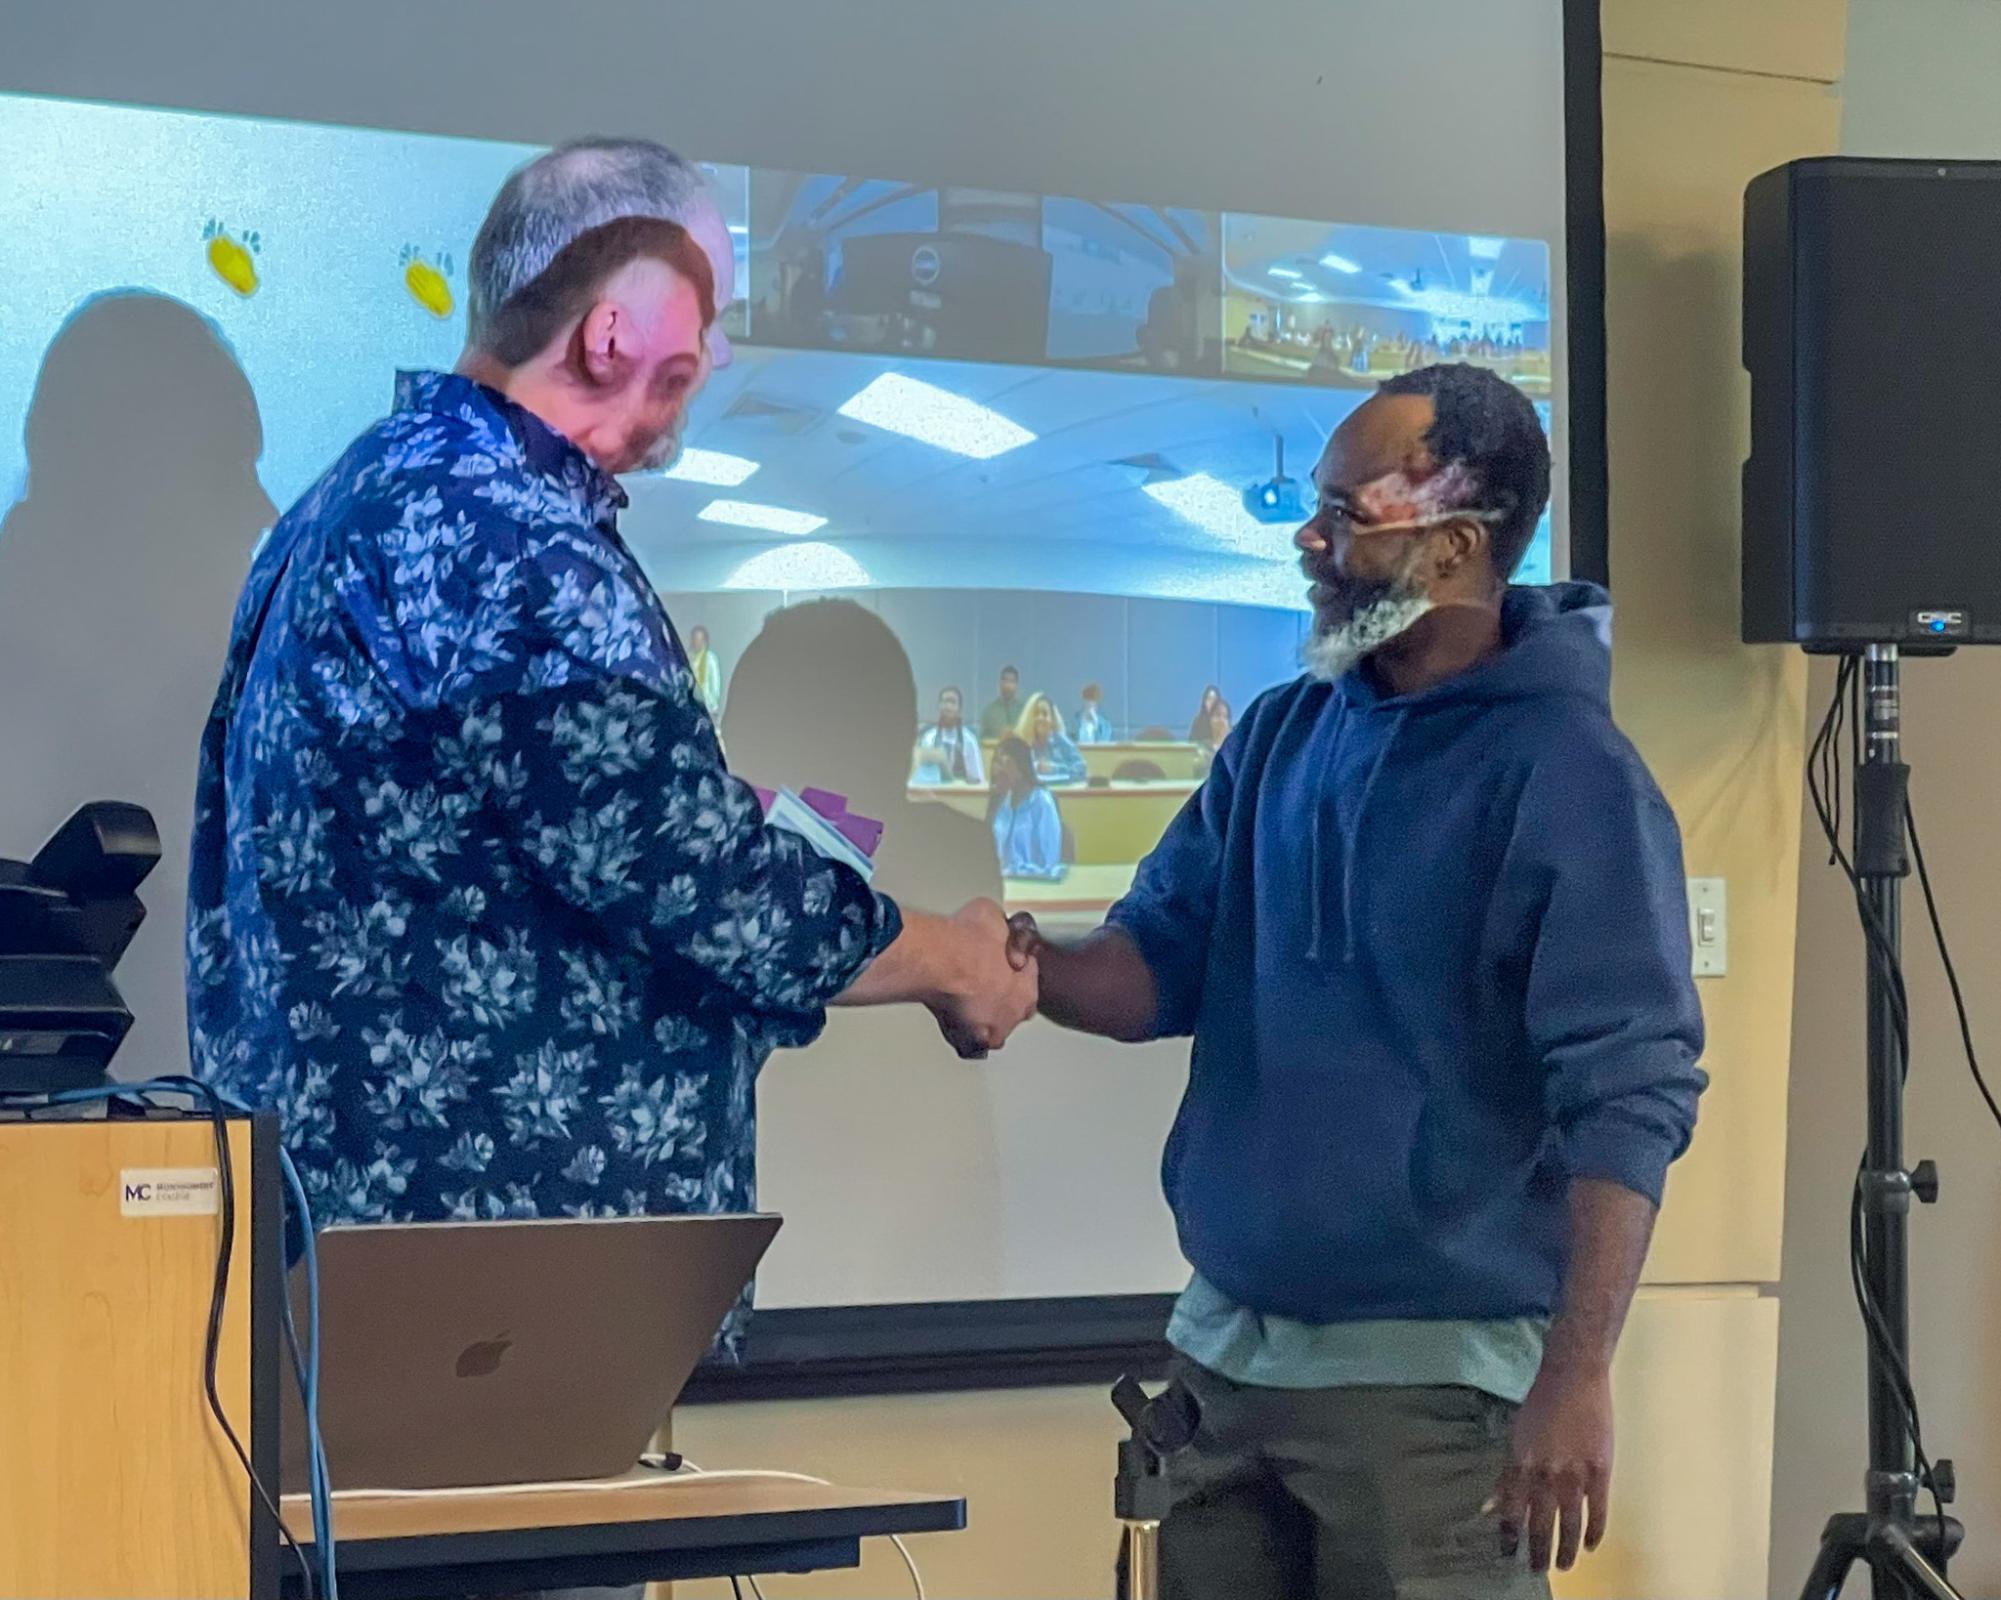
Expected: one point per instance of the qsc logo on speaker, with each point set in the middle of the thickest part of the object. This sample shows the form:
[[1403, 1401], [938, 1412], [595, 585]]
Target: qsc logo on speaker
[[1941, 624]]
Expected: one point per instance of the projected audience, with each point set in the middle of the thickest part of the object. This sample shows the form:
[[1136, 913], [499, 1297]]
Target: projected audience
[[1028, 829], [1091, 726], [708, 670], [1056, 759], [1004, 712], [948, 751], [1198, 727], [1212, 737], [1330, 352]]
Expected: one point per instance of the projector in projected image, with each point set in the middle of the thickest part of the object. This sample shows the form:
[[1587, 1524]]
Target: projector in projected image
[[1277, 499]]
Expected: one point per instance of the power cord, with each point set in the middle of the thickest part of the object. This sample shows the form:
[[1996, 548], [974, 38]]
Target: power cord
[[1951, 972], [306, 1370], [680, 1463]]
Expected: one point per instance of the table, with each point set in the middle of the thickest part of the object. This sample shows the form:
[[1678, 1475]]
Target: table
[[1174, 757], [1083, 889], [1114, 823], [648, 1527]]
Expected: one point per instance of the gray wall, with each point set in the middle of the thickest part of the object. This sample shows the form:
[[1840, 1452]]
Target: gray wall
[[1921, 81]]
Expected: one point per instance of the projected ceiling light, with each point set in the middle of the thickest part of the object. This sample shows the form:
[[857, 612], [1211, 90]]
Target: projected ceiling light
[[712, 467], [1334, 263], [766, 519], [936, 417], [801, 566], [1284, 272], [1218, 510], [1485, 249]]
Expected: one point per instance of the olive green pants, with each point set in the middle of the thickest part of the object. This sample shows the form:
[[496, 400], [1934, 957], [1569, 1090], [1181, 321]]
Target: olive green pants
[[1360, 1494]]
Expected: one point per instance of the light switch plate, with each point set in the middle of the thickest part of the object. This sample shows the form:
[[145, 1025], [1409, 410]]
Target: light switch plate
[[1709, 926]]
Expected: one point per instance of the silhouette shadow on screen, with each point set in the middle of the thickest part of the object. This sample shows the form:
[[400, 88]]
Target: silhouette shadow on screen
[[824, 698], [879, 1144], [119, 569]]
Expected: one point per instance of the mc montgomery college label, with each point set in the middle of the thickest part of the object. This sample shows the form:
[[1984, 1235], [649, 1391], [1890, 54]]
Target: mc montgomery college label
[[169, 1191]]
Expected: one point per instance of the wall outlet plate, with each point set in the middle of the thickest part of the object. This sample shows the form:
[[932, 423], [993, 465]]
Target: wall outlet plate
[[1709, 926]]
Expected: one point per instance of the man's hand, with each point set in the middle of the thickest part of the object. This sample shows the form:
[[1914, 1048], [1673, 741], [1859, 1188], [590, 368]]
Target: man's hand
[[1097, 984], [1025, 944], [989, 991], [1559, 1470]]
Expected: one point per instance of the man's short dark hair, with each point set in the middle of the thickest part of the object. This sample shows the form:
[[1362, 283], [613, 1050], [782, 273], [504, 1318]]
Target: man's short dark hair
[[1488, 424], [1010, 672], [953, 690]]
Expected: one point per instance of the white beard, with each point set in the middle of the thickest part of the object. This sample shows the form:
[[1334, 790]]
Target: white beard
[[1335, 652], [665, 452]]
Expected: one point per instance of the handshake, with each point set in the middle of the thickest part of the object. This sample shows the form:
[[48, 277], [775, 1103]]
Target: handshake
[[990, 978]]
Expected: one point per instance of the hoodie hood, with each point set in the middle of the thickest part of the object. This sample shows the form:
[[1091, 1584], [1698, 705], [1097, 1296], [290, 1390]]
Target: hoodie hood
[[1555, 640]]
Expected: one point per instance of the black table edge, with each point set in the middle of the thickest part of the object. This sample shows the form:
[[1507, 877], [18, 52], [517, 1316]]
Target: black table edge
[[738, 1541]]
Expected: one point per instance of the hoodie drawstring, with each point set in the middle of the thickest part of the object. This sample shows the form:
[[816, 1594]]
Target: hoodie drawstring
[[1317, 796], [1352, 845]]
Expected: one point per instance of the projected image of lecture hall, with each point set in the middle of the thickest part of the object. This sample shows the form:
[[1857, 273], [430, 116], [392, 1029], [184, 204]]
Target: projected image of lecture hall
[[988, 527], [1017, 609], [1049, 598], [1035, 745], [1352, 305]]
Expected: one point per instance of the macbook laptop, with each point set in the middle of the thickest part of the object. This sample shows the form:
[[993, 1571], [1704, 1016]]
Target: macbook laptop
[[455, 1354]]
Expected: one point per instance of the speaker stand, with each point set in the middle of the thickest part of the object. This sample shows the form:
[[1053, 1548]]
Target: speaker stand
[[1905, 1553]]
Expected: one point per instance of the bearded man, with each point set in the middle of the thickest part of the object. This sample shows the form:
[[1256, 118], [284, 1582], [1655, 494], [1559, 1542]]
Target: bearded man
[[1426, 924]]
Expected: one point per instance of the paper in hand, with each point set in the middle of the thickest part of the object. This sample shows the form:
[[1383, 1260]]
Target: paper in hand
[[843, 837]]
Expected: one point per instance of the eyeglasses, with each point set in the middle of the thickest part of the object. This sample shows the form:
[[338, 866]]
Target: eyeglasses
[[1337, 518]]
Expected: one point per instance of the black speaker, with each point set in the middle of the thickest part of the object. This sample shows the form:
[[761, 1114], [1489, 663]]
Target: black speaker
[[1872, 333]]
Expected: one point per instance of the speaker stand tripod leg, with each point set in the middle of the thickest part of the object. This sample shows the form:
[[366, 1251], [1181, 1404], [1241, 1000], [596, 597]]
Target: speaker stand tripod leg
[[1901, 1561], [1842, 1544], [1897, 1553]]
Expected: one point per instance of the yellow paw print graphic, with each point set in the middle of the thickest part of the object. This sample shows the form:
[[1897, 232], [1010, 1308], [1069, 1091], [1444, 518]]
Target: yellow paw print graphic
[[233, 261], [429, 285]]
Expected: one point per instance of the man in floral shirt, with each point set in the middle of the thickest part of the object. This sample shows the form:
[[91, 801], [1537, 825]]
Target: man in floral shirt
[[473, 899]]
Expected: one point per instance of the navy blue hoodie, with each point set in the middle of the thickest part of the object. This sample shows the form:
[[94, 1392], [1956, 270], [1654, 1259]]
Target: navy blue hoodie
[[1433, 950]]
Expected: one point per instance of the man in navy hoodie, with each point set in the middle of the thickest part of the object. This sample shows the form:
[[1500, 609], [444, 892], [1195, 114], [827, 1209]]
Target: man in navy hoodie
[[1426, 922]]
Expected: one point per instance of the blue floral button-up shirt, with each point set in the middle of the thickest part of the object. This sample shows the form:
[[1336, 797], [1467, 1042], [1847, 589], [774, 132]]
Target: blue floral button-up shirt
[[474, 901]]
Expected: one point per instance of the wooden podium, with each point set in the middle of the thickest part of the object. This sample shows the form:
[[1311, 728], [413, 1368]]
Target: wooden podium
[[116, 1482]]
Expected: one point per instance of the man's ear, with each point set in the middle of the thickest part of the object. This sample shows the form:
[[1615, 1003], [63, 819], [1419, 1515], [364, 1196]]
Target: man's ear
[[1462, 540], [604, 345]]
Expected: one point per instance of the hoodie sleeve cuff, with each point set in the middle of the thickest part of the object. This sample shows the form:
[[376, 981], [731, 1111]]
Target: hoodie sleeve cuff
[[1629, 1147]]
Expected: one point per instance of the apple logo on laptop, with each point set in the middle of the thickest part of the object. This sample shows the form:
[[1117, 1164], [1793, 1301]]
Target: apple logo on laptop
[[482, 1360]]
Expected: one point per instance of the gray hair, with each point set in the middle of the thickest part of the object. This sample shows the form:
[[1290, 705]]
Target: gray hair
[[547, 203]]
